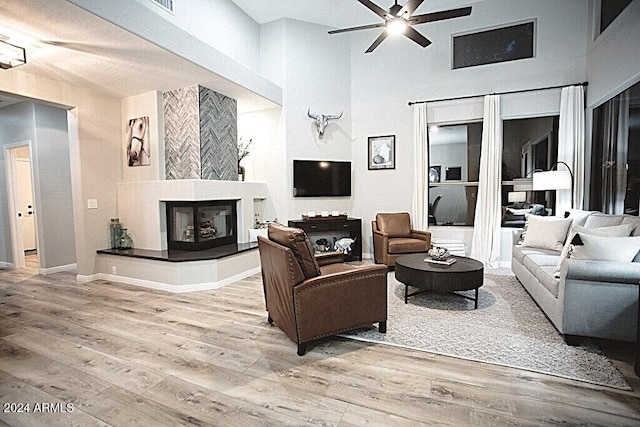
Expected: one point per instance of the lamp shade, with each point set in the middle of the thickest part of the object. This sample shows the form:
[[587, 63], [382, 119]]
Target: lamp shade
[[517, 196], [522, 184], [552, 180]]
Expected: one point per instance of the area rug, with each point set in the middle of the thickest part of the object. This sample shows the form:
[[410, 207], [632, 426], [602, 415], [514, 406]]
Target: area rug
[[507, 329]]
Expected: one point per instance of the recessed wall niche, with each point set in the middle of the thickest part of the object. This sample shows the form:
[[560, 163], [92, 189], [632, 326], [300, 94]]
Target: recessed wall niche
[[201, 134]]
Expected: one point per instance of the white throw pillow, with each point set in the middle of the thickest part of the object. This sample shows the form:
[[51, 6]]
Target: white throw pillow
[[546, 232], [623, 230], [606, 248]]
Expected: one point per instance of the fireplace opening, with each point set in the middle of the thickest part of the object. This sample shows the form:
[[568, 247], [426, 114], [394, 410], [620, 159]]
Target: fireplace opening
[[196, 226]]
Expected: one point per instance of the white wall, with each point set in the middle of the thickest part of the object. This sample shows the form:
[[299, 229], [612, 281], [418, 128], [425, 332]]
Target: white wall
[[236, 34], [51, 166], [313, 70]]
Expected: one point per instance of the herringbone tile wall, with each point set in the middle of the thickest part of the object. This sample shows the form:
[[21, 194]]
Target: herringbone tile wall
[[182, 133], [201, 134], [218, 136]]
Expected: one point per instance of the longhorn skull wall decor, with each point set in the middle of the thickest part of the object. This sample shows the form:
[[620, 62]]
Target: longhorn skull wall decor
[[321, 121]]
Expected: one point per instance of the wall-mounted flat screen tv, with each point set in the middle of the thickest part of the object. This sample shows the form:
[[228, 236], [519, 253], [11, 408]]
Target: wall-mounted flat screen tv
[[321, 178]]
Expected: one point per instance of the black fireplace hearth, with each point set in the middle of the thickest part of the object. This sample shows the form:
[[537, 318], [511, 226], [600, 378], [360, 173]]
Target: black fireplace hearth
[[201, 225]]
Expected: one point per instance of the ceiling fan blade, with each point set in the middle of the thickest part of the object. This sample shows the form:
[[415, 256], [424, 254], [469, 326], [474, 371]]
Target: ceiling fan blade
[[375, 8], [410, 7], [439, 16], [377, 41], [417, 37], [361, 27]]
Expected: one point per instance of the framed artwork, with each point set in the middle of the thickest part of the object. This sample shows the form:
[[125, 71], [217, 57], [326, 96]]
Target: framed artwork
[[382, 152], [453, 174], [138, 150]]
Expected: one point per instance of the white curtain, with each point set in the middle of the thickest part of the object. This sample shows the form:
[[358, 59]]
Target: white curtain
[[571, 146], [485, 245], [420, 208]]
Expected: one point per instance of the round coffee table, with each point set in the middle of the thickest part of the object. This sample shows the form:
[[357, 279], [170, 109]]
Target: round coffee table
[[463, 275]]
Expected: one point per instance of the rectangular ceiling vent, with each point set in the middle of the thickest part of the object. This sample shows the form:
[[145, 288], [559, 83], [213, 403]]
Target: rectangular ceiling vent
[[165, 4]]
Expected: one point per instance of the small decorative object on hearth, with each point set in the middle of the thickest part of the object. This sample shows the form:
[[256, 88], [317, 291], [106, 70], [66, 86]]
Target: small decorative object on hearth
[[115, 231], [126, 242], [439, 253]]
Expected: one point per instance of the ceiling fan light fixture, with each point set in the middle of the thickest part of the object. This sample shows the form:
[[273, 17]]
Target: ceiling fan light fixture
[[11, 55], [396, 26]]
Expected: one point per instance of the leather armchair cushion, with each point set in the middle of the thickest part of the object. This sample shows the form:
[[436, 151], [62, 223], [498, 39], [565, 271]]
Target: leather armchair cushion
[[296, 240], [405, 245], [394, 224]]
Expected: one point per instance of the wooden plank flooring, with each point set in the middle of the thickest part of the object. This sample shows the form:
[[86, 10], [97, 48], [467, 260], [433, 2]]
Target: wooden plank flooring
[[122, 355]]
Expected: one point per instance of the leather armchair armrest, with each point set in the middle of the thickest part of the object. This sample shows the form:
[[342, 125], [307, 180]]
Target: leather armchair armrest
[[422, 235], [329, 258], [380, 246]]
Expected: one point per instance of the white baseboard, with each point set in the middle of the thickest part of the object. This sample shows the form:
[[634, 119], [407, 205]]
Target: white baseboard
[[205, 286], [6, 265], [58, 269]]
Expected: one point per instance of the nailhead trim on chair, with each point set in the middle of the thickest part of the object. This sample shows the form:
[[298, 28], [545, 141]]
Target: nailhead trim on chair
[[325, 284]]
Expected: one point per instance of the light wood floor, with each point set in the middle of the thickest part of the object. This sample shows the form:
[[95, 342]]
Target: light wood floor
[[121, 355]]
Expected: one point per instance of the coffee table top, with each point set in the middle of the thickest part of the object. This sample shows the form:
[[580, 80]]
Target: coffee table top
[[417, 262]]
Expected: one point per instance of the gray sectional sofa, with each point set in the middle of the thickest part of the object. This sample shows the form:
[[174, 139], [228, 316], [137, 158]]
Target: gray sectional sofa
[[584, 297]]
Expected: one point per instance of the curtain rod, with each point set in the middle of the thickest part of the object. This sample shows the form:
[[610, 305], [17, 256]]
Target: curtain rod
[[498, 93]]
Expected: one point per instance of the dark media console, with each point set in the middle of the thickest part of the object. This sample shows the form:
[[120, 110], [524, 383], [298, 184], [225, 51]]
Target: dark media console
[[350, 227]]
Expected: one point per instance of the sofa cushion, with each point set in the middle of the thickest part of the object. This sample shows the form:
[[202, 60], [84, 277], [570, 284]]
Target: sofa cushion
[[546, 232], [578, 216], [404, 245], [602, 220], [605, 248], [296, 240], [546, 279], [635, 220], [622, 230], [520, 252], [394, 224]]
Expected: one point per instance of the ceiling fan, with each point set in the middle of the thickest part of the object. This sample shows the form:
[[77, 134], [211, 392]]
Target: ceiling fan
[[399, 20]]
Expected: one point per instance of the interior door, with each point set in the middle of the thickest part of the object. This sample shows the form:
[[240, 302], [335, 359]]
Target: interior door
[[26, 212]]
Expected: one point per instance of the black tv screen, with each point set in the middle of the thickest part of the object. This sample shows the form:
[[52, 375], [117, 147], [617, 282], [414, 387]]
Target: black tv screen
[[321, 178]]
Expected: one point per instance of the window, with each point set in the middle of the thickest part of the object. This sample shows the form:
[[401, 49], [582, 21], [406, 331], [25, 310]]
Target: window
[[615, 155], [454, 157], [528, 144], [609, 11], [496, 45]]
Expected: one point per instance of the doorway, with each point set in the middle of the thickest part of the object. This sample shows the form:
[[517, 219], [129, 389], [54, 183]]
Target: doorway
[[24, 235]]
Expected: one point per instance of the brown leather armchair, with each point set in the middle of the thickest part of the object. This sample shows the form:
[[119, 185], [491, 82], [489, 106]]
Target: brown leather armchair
[[311, 297], [393, 236]]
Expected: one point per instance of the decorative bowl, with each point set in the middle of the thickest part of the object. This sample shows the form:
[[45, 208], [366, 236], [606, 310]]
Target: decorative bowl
[[438, 253]]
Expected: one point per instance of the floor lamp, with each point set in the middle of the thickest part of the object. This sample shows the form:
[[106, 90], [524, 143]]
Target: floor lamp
[[554, 180]]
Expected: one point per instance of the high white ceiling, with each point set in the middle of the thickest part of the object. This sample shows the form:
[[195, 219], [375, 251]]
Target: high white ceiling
[[332, 13]]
